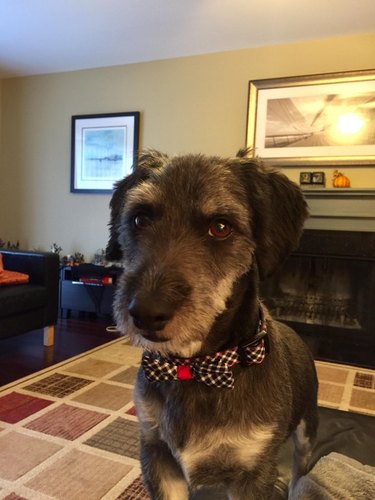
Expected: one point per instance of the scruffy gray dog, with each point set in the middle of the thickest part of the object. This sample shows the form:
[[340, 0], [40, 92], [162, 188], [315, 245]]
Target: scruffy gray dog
[[221, 385]]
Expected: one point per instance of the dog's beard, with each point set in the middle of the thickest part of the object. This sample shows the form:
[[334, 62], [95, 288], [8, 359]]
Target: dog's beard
[[186, 331]]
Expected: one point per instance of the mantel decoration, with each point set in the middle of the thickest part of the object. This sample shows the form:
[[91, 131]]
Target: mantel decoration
[[340, 180], [104, 148], [313, 120]]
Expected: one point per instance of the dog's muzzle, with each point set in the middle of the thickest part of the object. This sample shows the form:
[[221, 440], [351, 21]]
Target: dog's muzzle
[[154, 299], [150, 313]]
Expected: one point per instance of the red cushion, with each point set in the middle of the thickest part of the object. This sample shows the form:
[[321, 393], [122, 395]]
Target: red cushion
[[11, 277]]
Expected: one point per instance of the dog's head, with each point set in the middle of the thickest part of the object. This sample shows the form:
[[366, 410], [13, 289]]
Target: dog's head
[[186, 230]]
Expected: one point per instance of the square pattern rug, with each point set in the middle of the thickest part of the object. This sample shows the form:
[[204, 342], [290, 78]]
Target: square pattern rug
[[70, 432]]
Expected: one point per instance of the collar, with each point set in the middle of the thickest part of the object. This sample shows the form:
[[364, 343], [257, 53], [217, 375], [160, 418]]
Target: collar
[[212, 370]]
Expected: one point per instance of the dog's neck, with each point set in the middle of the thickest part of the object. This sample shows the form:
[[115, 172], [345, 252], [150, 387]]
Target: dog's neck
[[238, 324]]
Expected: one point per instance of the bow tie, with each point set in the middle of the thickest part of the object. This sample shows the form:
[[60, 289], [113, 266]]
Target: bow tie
[[212, 370]]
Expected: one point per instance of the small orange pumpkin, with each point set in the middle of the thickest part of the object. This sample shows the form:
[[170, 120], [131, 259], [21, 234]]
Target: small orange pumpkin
[[340, 180]]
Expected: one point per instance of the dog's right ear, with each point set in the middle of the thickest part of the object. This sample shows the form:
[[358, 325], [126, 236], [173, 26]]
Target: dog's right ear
[[113, 251], [278, 211], [148, 160]]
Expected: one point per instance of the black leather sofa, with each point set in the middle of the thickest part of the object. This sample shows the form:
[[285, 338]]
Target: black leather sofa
[[33, 305]]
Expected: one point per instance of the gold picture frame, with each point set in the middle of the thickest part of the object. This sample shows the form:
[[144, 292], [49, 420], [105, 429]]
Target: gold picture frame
[[306, 120]]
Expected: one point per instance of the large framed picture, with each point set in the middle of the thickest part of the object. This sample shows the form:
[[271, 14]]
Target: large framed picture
[[317, 119], [104, 148]]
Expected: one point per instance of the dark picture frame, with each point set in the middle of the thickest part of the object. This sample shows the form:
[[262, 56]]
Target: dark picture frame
[[318, 178], [318, 120], [305, 177], [103, 150]]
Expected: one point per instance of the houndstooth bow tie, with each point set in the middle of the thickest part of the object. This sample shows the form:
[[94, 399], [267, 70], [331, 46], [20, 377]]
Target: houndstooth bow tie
[[212, 370]]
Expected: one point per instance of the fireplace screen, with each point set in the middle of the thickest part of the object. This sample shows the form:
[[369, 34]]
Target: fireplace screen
[[327, 297], [320, 291]]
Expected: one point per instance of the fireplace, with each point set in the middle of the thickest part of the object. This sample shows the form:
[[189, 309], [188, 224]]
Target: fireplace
[[326, 292]]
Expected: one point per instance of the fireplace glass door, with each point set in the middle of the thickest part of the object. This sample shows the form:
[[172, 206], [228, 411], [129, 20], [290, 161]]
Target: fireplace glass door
[[329, 300]]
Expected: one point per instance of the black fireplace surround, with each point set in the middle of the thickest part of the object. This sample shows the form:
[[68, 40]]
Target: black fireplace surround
[[326, 292]]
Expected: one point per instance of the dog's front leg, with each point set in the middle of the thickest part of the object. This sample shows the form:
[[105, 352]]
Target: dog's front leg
[[162, 475]]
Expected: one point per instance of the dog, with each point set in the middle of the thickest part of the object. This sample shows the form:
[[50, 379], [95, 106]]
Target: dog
[[221, 385]]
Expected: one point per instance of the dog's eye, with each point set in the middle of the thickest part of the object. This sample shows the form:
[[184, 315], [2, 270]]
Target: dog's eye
[[220, 229], [141, 220]]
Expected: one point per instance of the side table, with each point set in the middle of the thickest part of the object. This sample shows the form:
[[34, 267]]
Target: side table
[[87, 288]]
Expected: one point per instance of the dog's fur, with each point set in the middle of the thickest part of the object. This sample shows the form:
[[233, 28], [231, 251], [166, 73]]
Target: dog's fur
[[188, 293]]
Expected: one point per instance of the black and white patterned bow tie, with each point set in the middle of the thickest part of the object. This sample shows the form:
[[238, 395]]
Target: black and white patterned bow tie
[[212, 370]]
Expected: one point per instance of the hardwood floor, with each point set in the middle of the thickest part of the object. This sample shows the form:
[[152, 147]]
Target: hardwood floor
[[25, 354]]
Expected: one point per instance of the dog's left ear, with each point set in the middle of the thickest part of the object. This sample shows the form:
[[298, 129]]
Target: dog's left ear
[[278, 211]]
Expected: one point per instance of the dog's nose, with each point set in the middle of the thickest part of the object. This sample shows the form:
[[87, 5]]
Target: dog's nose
[[149, 313]]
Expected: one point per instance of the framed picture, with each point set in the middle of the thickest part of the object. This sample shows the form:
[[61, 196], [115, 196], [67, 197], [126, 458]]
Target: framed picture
[[305, 177], [318, 178], [104, 148], [317, 119]]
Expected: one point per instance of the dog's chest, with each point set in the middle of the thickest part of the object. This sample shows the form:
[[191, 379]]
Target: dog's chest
[[225, 448]]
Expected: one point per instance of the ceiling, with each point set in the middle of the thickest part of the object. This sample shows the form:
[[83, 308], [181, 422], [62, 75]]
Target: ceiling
[[39, 36]]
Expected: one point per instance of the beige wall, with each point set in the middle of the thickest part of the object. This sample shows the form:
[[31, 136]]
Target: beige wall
[[193, 104]]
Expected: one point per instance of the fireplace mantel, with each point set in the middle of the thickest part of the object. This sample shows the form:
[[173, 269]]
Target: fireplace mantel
[[340, 192], [345, 209]]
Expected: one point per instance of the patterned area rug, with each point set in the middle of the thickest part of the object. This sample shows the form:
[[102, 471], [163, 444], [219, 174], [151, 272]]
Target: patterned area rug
[[70, 432]]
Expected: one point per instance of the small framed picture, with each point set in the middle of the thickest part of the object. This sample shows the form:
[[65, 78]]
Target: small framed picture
[[305, 177], [104, 149], [318, 178]]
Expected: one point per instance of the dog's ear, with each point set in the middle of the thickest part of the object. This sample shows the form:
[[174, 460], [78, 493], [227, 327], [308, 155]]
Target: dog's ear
[[148, 160], [151, 159], [278, 211], [113, 250]]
